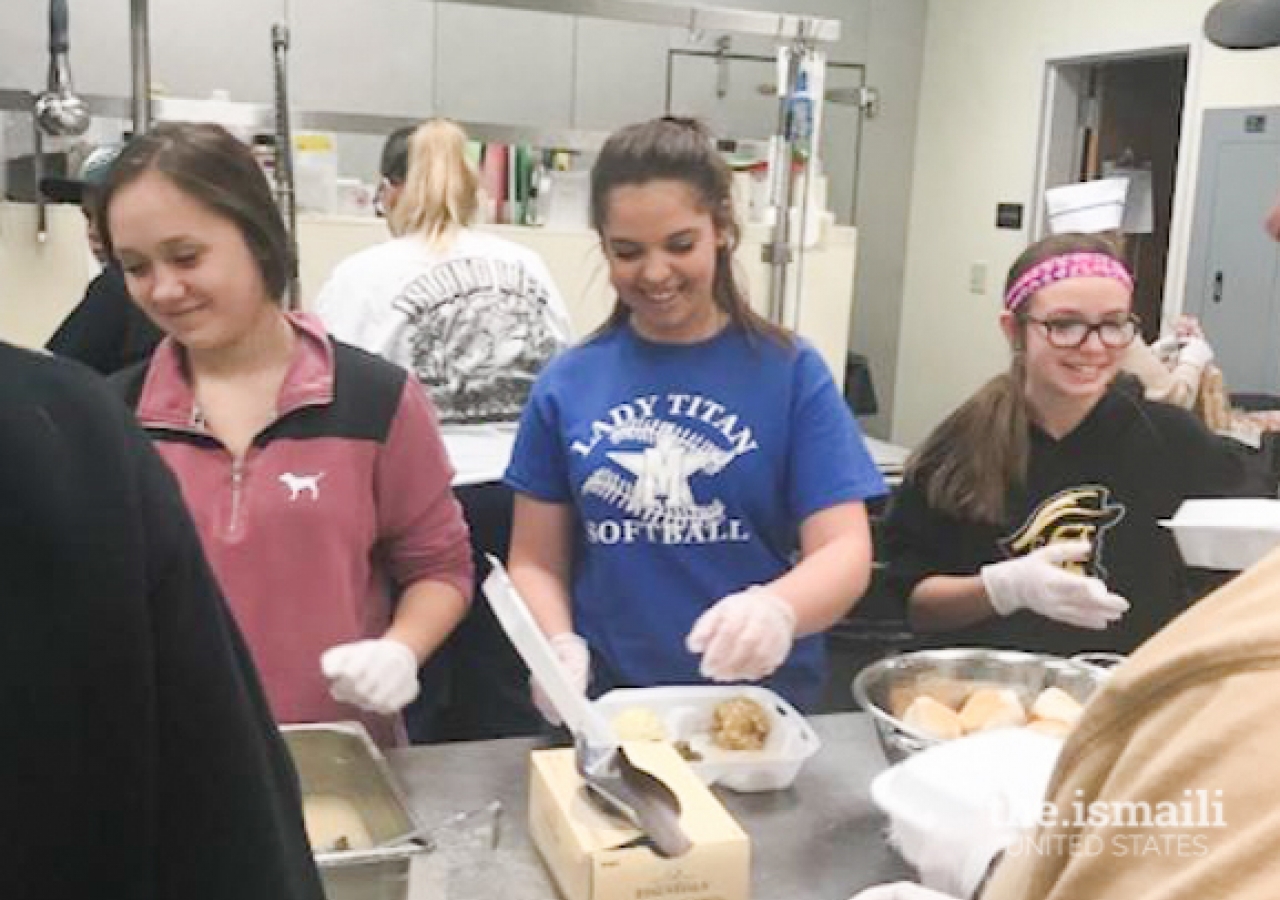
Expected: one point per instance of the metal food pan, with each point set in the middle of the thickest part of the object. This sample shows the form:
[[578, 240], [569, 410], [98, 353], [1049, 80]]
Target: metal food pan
[[340, 761]]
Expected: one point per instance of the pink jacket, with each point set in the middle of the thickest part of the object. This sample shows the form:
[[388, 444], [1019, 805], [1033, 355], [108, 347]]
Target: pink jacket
[[340, 503]]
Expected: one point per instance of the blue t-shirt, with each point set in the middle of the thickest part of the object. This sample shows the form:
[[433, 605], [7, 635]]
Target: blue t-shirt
[[691, 468]]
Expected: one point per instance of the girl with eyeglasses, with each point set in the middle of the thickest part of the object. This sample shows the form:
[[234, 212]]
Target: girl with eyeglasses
[[1029, 518]]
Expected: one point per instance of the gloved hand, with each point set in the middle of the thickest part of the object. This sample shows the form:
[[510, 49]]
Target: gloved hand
[[378, 675], [575, 656], [1166, 347], [1195, 352], [1038, 582], [900, 890], [744, 637], [1188, 327]]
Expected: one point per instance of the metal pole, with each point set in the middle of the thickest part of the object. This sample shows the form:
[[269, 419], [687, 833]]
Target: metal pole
[[777, 253], [42, 209], [284, 155], [140, 44]]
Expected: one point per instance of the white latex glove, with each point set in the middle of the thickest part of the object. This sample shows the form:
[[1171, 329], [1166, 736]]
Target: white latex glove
[[744, 637], [1188, 327], [1165, 346], [900, 890], [1195, 352], [1038, 582], [575, 656], [378, 675]]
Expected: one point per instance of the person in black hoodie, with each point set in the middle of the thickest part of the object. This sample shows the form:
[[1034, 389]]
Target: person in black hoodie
[[139, 758], [1030, 518], [106, 331]]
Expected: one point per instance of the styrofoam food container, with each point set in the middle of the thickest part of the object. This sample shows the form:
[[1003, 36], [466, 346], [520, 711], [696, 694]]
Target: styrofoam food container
[[685, 712], [1228, 534]]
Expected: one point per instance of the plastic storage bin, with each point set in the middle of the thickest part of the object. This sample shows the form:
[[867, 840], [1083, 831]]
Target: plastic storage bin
[[686, 714]]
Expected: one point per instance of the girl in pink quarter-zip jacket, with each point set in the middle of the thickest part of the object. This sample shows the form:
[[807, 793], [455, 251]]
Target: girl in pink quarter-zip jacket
[[315, 472]]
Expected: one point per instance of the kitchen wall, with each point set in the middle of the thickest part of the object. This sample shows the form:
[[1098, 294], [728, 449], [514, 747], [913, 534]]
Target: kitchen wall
[[977, 144], [415, 57]]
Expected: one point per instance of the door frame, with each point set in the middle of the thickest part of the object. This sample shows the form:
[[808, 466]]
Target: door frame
[[1059, 92]]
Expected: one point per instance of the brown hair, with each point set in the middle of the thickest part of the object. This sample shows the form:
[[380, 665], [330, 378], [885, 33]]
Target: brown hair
[[968, 464], [440, 189], [678, 149], [207, 163]]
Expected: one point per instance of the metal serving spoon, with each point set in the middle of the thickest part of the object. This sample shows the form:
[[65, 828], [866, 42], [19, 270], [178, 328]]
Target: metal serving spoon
[[641, 797]]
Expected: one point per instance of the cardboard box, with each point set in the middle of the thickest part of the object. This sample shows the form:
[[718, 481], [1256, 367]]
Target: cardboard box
[[585, 848]]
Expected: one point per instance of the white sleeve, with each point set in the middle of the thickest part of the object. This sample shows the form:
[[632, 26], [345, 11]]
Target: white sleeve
[[555, 302], [340, 308]]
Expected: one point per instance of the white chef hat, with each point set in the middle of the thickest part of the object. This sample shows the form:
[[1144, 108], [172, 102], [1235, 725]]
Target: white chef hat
[[1087, 207]]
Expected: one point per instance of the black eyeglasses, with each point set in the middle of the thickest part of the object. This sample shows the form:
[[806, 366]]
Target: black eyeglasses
[[1068, 334]]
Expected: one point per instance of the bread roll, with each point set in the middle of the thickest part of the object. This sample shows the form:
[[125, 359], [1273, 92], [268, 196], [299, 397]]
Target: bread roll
[[931, 718], [1050, 727], [991, 708], [638, 723], [1057, 705]]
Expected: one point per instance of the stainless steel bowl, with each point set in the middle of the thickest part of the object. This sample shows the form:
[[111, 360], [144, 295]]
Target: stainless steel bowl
[[1025, 673]]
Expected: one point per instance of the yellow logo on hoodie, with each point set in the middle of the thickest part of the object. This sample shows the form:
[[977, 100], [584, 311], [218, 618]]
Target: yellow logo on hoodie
[[1083, 513]]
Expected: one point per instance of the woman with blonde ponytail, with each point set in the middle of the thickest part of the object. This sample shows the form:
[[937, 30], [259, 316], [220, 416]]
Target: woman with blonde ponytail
[[474, 317], [1029, 518]]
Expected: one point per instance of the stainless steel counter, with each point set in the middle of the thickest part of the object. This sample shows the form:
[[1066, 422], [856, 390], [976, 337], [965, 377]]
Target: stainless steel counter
[[820, 840]]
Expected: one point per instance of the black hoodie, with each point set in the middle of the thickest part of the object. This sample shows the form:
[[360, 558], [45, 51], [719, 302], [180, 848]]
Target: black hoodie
[[138, 759], [1129, 464]]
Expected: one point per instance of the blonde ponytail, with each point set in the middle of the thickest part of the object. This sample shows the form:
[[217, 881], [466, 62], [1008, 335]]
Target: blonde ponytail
[[440, 190]]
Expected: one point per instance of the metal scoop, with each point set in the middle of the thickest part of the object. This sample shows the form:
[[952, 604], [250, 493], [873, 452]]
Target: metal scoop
[[59, 111], [642, 798]]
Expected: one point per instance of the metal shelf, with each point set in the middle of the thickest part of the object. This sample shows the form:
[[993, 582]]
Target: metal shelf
[[260, 117]]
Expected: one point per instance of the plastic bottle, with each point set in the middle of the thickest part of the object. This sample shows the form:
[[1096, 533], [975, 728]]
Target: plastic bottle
[[800, 120]]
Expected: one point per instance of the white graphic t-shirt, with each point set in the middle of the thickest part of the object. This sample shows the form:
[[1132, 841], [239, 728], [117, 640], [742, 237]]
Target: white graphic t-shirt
[[690, 469], [475, 324]]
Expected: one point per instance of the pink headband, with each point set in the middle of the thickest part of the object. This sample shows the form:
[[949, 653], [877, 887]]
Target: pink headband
[[1060, 268]]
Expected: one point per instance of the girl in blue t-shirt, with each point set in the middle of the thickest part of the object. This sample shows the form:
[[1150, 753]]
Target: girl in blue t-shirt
[[690, 483]]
